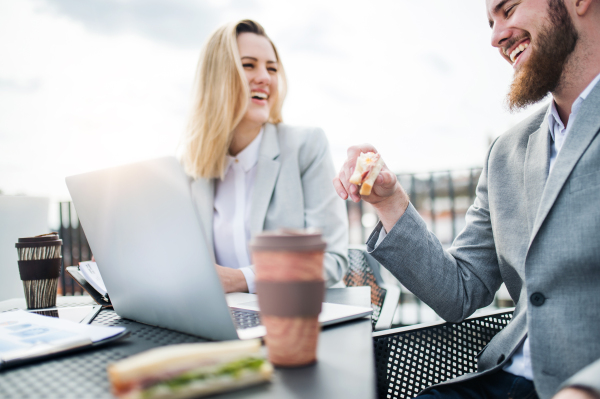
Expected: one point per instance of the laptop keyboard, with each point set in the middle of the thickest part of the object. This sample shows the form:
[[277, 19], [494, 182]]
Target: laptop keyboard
[[245, 318]]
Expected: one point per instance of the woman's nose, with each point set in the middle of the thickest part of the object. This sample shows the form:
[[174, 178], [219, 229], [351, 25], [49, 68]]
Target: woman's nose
[[262, 76]]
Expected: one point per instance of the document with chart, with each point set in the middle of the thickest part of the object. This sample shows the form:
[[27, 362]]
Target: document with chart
[[26, 336]]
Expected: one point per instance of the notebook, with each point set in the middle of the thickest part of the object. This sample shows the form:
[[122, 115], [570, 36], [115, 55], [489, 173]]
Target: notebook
[[145, 233], [26, 337]]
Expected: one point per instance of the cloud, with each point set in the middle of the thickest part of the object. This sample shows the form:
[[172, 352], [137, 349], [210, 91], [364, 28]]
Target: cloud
[[29, 86], [438, 63], [183, 23], [309, 35]]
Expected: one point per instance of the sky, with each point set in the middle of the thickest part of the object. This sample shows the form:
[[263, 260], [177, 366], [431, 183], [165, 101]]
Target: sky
[[90, 84]]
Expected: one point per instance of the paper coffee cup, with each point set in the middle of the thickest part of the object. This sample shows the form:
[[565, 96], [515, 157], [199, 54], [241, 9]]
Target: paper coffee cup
[[40, 261], [291, 289]]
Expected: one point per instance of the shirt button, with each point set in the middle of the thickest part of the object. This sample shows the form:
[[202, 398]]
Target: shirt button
[[237, 160], [537, 299]]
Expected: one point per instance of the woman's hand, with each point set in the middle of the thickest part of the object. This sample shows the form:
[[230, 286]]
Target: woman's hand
[[233, 280], [387, 196]]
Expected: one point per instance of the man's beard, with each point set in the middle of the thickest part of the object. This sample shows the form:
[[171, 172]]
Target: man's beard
[[541, 74]]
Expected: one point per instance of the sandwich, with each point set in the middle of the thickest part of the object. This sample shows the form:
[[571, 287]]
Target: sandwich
[[189, 370], [368, 166]]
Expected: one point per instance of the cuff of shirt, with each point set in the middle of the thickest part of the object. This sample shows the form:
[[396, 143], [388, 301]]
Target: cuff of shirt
[[377, 236], [382, 235], [249, 276]]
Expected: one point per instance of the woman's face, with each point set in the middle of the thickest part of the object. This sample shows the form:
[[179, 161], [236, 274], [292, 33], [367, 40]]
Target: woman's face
[[260, 66]]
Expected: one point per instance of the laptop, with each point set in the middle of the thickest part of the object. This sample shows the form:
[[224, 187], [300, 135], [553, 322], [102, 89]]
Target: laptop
[[144, 230]]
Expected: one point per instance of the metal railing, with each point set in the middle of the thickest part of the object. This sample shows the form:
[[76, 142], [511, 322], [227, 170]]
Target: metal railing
[[75, 247], [441, 198]]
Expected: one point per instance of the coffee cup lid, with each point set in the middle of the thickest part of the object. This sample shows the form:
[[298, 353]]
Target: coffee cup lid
[[296, 240], [43, 240]]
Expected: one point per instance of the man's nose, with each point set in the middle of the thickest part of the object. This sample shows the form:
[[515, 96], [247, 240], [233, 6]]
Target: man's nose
[[500, 34]]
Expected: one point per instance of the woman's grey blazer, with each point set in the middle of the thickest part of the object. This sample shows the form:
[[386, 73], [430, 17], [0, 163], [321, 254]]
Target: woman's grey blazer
[[292, 190]]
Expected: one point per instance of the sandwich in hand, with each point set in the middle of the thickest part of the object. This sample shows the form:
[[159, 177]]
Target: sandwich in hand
[[368, 166], [189, 370]]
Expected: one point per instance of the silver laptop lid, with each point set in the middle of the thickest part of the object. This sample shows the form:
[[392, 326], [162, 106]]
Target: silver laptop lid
[[144, 231]]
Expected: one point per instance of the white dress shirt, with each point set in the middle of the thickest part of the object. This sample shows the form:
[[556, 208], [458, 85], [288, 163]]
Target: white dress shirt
[[520, 363], [232, 207]]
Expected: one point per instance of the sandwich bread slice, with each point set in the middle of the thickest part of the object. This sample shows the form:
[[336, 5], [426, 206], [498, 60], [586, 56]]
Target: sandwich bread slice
[[189, 370]]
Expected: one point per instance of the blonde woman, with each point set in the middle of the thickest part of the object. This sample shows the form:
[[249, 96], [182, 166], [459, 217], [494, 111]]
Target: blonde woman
[[252, 172]]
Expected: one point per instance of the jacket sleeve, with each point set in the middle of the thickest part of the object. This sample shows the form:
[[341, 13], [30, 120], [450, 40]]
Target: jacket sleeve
[[322, 207], [455, 282]]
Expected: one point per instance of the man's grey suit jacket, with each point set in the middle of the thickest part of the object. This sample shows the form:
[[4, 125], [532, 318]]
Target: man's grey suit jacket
[[539, 233]]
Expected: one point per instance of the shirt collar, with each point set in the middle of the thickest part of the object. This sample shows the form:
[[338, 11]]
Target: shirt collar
[[554, 118], [590, 87], [248, 157]]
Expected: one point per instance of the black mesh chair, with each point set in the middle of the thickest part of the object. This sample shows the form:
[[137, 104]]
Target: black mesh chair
[[409, 359], [363, 270]]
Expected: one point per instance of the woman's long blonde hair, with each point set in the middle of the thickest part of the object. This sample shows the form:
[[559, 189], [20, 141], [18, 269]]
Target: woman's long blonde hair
[[220, 100]]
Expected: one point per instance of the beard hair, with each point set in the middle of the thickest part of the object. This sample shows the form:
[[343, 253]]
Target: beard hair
[[541, 74]]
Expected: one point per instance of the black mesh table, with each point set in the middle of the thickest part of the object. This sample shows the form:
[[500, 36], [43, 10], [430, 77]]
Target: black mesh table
[[345, 368]]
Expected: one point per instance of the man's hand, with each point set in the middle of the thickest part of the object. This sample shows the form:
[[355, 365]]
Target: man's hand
[[384, 186], [387, 196], [574, 393], [233, 280]]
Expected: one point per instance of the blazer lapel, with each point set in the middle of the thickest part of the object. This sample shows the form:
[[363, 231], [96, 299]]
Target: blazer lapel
[[203, 193], [583, 131], [265, 179], [536, 170]]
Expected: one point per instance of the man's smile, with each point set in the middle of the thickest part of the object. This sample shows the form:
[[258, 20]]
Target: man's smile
[[515, 51]]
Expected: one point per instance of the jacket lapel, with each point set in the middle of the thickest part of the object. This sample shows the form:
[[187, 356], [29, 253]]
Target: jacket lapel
[[536, 170], [203, 192], [583, 131], [265, 179]]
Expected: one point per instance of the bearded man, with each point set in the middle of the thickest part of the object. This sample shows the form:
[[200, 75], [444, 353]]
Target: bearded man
[[535, 223]]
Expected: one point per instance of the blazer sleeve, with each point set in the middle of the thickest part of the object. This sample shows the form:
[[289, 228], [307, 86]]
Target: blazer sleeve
[[322, 207], [455, 282]]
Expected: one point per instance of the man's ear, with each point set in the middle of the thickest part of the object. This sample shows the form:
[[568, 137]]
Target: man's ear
[[582, 6]]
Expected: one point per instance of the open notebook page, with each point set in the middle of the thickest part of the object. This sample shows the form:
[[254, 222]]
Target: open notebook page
[[90, 271]]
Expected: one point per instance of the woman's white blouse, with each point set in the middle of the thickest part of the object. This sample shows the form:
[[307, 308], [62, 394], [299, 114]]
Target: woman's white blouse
[[231, 222]]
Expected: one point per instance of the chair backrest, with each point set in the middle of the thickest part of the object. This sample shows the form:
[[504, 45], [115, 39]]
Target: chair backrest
[[410, 359], [363, 270]]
